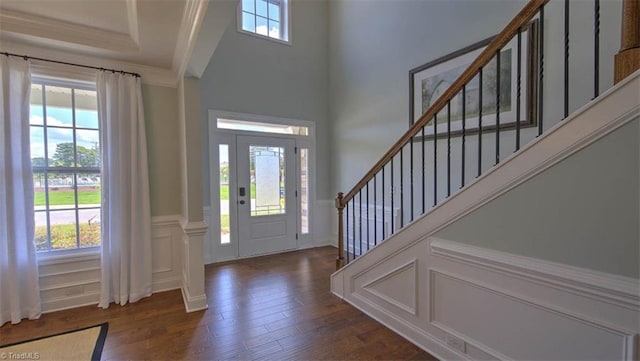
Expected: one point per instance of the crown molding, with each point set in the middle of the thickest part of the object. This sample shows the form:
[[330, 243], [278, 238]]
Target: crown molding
[[17, 22], [150, 75], [192, 19]]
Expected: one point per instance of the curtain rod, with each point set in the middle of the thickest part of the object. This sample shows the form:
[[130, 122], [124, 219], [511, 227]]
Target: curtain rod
[[26, 57]]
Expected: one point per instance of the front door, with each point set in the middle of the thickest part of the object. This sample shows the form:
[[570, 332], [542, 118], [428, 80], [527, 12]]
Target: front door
[[265, 194]]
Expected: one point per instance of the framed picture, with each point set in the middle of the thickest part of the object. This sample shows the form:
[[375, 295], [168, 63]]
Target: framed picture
[[429, 81]]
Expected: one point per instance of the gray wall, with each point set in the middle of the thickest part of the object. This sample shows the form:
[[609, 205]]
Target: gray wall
[[163, 146], [582, 212], [374, 44], [251, 75]]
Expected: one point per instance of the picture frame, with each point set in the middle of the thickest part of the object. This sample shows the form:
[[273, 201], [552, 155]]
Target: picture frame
[[427, 83]]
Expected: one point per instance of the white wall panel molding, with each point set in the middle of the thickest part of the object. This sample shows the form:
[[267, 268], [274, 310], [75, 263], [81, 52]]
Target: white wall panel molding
[[475, 303], [69, 281], [520, 328], [399, 287], [620, 290]]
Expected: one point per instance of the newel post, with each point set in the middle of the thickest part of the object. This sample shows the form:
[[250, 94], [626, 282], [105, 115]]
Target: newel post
[[340, 207], [627, 60]]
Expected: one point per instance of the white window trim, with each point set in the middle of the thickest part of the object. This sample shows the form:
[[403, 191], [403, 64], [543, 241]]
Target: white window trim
[[59, 76], [285, 24], [218, 136]]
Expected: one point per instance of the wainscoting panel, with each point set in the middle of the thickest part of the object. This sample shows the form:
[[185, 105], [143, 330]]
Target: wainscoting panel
[[506, 326], [463, 302], [74, 281]]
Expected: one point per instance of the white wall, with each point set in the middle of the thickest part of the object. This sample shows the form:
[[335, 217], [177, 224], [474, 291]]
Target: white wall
[[256, 76]]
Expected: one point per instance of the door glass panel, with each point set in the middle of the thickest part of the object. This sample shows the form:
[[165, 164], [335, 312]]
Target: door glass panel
[[267, 172], [304, 190], [225, 230]]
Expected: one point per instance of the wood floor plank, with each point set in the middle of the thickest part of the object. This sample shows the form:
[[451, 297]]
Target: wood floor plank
[[276, 307]]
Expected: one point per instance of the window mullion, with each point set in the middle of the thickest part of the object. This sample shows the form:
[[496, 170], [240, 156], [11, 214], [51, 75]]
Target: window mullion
[[75, 164], [46, 168]]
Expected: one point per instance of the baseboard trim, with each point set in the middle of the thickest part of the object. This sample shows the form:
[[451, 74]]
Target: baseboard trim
[[193, 304]]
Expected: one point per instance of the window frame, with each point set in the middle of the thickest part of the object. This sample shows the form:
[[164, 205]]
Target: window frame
[[79, 84], [285, 22]]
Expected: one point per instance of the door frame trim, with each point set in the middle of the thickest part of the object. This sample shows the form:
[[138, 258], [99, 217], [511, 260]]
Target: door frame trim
[[215, 136]]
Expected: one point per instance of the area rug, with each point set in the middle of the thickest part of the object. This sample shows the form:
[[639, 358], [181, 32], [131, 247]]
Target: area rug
[[82, 344]]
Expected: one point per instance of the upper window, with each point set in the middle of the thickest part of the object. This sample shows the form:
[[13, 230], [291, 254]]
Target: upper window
[[268, 18], [65, 157]]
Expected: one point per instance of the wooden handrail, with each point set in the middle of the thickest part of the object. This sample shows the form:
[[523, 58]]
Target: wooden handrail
[[520, 20], [627, 60]]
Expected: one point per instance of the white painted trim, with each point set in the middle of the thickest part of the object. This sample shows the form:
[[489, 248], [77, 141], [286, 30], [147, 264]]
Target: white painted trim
[[171, 220], [218, 136], [49, 28], [167, 284], [192, 19], [608, 287], [66, 303], [413, 263], [410, 332], [194, 228], [132, 20], [150, 75], [193, 304]]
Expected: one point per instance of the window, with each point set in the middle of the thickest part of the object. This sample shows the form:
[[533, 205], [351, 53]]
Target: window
[[262, 127], [268, 18], [65, 156]]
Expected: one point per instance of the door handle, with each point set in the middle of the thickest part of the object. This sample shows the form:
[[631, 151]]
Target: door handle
[[241, 202]]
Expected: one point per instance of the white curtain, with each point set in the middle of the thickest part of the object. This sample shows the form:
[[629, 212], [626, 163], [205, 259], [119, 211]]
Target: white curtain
[[126, 215], [19, 287]]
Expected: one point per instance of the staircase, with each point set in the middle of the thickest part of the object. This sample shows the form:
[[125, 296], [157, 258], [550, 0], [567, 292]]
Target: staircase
[[466, 253]]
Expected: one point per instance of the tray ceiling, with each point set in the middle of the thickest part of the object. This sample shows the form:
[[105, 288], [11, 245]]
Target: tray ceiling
[[146, 36]]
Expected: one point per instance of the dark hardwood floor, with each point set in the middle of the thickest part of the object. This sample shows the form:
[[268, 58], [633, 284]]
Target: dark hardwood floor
[[275, 307]]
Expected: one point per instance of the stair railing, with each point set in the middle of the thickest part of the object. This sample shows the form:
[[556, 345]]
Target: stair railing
[[365, 226]]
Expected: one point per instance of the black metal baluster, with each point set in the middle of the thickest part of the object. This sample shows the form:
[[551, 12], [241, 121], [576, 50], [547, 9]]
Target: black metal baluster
[[353, 200], [411, 175], [435, 160], [448, 148], [518, 90], [360, 218], [392, 199], [384, 234], [347, 229], [424, 175], [368, 216], [401, 187], [566, 58], [497, 107], [541, 73], [375, 210], [479, 122], [596, 49], [464, 132]]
